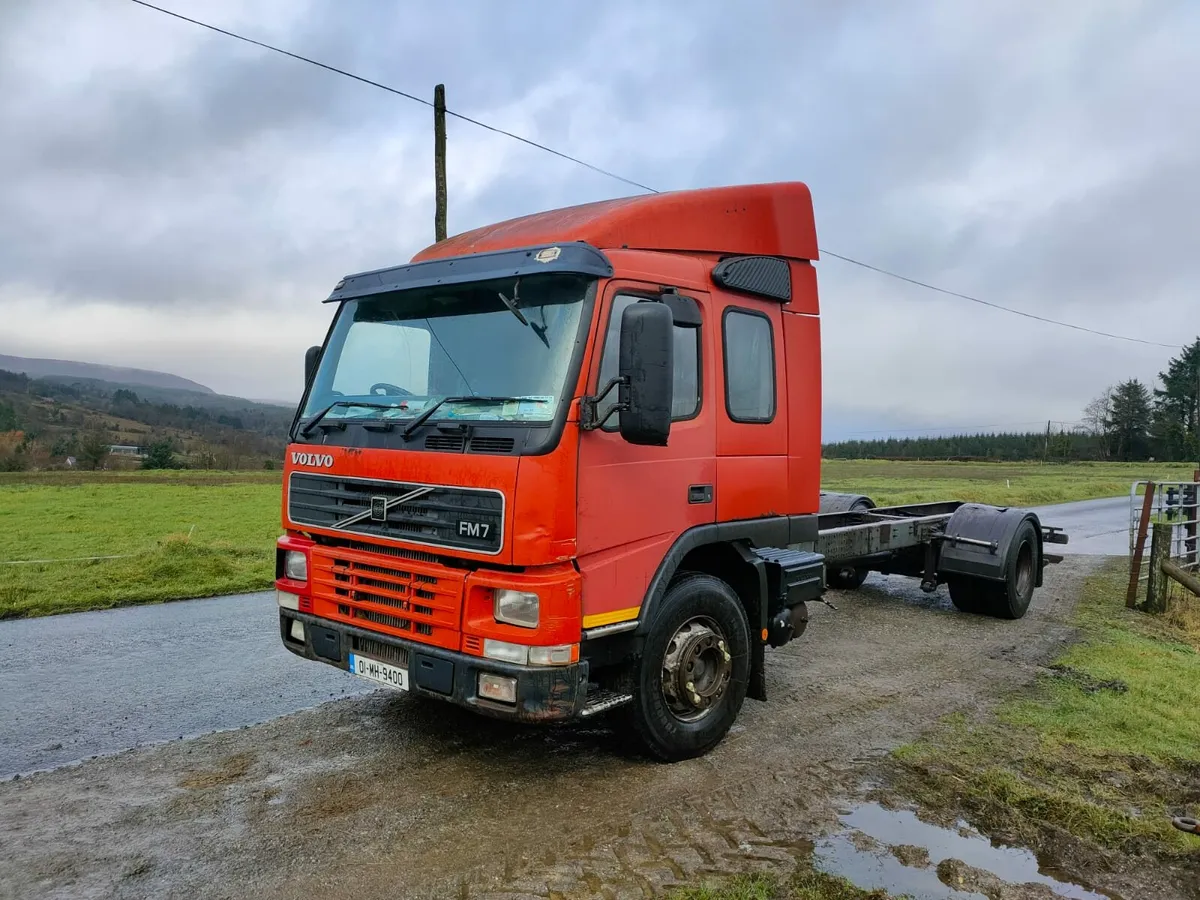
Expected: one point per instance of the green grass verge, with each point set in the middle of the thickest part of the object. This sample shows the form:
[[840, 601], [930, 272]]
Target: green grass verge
[[1003, 484], [1105, 747], [182, 535], [231, 519], [805, 884]]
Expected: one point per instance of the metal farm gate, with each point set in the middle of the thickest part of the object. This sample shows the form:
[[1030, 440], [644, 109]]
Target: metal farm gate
[[1164, 517]]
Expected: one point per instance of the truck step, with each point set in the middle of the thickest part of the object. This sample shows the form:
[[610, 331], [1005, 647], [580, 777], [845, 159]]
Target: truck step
[[603, 701]]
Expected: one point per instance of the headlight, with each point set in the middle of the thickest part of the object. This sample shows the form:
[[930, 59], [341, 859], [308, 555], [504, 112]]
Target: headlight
[[295, 565], [516, 607]]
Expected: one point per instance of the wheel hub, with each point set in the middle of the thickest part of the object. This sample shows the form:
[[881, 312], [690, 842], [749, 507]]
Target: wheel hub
[[696, 670]]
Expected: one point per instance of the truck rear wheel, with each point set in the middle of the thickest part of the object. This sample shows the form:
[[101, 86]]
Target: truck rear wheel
[[691, 679], [1008, 599]]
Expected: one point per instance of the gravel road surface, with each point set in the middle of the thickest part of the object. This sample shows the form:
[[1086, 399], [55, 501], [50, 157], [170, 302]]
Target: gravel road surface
[[384, 795]]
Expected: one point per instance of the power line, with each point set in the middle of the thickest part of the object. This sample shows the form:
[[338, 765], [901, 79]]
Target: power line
[[396, 91], [629, 181], [1015, 312]]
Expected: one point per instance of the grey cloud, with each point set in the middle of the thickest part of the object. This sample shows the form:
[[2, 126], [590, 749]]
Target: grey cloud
[[933, 137]]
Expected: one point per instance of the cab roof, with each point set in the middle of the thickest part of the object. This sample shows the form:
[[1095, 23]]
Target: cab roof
[[757, 219]]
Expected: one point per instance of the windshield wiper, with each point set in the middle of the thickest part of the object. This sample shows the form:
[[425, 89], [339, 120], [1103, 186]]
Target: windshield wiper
[[424, 416], [516, 311], [315, 420]]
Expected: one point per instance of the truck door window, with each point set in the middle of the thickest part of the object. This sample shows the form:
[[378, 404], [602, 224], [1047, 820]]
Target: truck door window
[[749, 366], [686, 402]]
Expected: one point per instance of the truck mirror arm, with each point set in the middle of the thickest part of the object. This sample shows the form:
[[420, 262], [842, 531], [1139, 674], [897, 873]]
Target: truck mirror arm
[[587, 406]]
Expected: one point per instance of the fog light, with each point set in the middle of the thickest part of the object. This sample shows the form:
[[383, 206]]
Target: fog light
[[497, 687], [516, 607], [297, 631], [295, 565], [287, 600]]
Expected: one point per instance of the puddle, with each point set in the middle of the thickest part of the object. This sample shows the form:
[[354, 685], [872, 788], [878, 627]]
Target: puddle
[[863, 853]]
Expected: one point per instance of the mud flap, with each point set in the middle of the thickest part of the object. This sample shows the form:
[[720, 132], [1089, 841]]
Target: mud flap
[[756, 612], [757, 689]]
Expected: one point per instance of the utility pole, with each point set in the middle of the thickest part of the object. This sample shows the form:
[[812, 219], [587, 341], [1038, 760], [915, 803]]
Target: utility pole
[[439, 162]]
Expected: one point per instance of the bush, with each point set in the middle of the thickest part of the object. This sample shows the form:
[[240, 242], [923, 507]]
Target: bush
[[160, 455]]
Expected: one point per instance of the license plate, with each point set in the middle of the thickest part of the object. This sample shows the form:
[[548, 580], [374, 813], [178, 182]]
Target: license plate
[[381, 672]]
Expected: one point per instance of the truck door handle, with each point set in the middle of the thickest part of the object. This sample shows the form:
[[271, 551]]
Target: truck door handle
[[700, 493]]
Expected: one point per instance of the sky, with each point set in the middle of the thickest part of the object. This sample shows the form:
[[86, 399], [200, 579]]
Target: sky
[[172, 199]]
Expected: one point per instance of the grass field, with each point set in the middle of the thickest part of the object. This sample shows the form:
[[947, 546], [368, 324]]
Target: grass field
[[1002, 484], [197, 534], [182, 534]]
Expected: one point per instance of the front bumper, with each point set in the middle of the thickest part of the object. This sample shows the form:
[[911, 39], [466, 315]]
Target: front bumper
[[544, 693]]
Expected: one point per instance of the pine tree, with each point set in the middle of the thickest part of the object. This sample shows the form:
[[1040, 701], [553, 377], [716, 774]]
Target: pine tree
[[1175, 405], [1129, 420]]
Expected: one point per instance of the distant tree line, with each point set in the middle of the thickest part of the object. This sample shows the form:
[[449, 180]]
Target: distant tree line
[[1128, 421]]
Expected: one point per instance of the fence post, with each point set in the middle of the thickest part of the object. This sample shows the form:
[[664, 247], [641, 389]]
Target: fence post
[[1139, 547], [1158, 587]]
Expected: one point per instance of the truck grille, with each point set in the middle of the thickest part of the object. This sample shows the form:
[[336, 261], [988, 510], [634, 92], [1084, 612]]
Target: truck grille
[[405, 598], [463, 518]]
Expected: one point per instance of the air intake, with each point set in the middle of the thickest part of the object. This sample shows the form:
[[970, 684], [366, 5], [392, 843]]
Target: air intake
[[492, 445], [451, 443]]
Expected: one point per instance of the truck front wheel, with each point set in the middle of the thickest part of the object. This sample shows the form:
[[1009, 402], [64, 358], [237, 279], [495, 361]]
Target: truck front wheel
[[691, 679]]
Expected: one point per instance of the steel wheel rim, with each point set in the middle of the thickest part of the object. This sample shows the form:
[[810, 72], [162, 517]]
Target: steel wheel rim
[[1025, 569], [697, 669]]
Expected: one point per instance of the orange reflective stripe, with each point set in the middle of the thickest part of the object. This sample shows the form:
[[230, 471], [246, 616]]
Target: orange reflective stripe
[[611, 618]]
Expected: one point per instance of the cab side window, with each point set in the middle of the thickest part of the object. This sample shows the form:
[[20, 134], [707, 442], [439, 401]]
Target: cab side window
[[686, 399], [749, 366]]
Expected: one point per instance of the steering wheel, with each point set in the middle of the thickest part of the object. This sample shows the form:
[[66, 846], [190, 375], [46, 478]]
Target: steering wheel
[[389, 390]]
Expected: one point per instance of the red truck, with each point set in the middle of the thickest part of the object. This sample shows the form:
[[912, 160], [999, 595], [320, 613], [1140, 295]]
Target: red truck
[[569, 464]]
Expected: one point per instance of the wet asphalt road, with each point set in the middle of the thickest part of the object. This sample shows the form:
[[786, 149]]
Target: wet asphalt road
[[91, 684], [87, 684], [1095, 527]]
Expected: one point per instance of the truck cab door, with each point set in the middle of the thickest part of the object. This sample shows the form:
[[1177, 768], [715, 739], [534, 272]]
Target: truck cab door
[[634, 501], [752, 404]]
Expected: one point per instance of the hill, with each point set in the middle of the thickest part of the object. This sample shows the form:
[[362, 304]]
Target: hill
[[69, 369], [47, 422]]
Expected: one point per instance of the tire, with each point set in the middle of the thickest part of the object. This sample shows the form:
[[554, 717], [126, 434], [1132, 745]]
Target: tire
[[971, 595], [1010, 598], [698, 614], [847, 578]]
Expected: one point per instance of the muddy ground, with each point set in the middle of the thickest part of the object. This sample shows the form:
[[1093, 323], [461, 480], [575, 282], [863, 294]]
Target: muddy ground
[[390, 796]]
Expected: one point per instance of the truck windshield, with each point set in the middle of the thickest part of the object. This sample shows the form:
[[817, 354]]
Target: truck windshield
[[401, 353]]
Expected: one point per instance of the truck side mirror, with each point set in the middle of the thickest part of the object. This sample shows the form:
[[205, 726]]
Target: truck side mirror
[[311, 357], [647, 368]]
